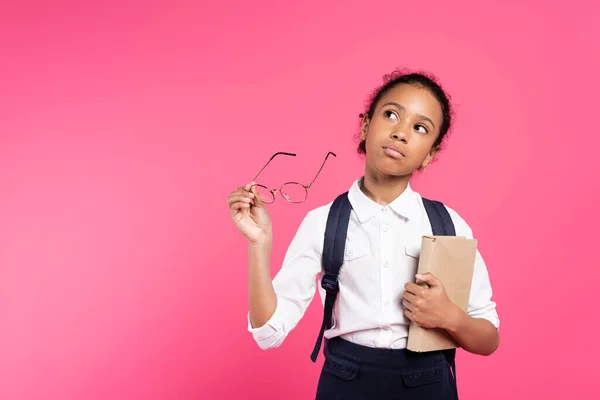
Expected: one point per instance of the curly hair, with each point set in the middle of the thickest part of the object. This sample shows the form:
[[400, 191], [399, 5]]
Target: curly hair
[[421, 79]]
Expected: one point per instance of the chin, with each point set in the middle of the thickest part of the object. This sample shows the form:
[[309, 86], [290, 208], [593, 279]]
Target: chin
[[395, 169]]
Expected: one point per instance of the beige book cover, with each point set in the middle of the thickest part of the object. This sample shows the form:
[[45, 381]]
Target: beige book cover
[[451, 259]]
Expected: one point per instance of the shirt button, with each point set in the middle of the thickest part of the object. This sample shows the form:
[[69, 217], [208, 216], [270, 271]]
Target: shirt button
[[386, 303], [385, 210], [385, 228], [386, 264], [349, 252]]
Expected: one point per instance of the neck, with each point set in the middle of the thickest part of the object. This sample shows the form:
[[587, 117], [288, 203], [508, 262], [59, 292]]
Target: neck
[[383, 189]]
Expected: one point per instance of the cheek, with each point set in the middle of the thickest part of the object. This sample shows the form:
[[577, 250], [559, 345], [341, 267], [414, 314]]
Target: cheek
[[374, 133], [424, 151], [370, 141]]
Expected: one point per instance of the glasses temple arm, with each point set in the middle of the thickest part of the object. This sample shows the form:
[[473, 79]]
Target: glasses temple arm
[[271, 159], [320, 169]]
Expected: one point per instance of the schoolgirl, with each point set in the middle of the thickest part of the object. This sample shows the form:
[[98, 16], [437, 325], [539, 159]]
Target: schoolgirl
[[401, 132]]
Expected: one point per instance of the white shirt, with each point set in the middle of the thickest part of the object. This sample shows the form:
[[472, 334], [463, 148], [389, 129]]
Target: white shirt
[[382, 252]]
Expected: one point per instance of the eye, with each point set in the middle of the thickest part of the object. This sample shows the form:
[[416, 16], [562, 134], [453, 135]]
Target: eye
[[390, 114], [423, 128]]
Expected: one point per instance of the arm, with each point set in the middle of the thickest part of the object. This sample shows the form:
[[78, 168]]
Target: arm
[[431, 308], [262, 300], [275, 308], [475, 335], [476, 330]]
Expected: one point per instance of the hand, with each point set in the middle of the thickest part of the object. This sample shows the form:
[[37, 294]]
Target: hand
[[428, 307], [250, 215]]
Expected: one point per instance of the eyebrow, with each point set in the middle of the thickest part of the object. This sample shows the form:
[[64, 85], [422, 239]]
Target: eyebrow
[[391, 103]]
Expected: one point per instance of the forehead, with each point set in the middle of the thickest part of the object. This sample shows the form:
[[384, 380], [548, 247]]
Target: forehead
[[414, 99]]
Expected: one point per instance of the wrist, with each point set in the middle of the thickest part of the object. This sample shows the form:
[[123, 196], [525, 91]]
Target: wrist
[[261, 245], [265, 238], [259, 258], [455, 319]]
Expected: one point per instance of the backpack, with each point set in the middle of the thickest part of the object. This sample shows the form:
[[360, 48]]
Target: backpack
[[333, 254]]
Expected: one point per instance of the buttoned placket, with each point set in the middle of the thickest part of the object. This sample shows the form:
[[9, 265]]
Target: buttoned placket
[[386, 254]]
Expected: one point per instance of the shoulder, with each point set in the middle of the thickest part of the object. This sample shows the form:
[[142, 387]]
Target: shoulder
[[315, 220], [311, 230], [319, 214], [460, 224]]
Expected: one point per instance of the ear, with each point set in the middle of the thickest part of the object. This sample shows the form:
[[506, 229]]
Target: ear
[[364, 127], [430, 157]]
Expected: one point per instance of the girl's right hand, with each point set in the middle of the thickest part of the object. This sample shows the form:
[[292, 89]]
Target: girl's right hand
[[250, 215]]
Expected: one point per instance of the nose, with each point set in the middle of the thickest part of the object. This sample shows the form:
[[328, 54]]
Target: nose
[[399, 134]]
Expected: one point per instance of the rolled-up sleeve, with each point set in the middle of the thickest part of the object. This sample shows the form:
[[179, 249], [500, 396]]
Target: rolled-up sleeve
[[295, 283], [480, 300]]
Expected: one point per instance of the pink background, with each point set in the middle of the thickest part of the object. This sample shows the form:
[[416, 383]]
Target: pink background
[[124, 125]]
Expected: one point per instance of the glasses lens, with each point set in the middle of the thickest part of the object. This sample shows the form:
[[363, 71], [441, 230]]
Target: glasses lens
[[264, 194], [294, 192]]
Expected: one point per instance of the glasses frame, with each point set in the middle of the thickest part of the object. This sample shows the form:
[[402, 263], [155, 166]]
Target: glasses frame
[[280, 189]]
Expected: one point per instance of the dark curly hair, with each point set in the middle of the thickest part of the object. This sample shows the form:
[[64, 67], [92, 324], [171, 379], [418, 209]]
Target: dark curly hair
[[421, 79]]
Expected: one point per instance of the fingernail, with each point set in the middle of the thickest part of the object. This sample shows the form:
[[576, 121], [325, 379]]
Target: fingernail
[[419, 276]]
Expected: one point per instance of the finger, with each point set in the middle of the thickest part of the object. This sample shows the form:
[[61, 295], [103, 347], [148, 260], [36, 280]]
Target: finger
[[414, 289], [407, 304], [241, 204], [409, 315], [237, 207], [429, 278], [418, 291], [245, 189], [250, 188], [409, 296], [239, 192], [254, 191], [239, 197]]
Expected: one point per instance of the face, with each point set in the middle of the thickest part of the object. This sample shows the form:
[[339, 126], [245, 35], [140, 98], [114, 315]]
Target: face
[[399, 137]]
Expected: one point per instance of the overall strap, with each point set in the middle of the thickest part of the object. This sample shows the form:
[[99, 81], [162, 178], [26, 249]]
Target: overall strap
[[441, 225], [333, 258]]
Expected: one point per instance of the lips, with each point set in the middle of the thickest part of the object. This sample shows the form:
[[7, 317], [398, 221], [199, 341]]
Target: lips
[[393, 152]]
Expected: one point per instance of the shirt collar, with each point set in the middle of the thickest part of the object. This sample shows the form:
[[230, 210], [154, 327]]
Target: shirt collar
[[365, 208]]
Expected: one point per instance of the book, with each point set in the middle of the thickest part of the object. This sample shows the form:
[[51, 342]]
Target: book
[[452, 260]]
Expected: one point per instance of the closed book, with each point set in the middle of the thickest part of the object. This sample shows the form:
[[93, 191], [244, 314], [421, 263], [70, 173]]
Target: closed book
[[452, 260]]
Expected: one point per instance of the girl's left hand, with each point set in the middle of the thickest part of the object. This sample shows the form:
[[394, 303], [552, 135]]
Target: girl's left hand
[[428, 307]]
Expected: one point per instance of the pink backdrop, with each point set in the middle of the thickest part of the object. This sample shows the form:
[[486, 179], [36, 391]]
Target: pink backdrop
[[124, 125]]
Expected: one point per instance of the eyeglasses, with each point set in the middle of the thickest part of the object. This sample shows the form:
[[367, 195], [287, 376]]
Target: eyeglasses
[[293, 192]]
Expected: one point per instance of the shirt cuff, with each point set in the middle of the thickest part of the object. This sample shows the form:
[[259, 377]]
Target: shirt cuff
[[490, 315], [262, 332], [270, 335]]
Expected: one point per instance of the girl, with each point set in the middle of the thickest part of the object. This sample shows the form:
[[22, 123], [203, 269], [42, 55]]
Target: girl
[[401, 131]]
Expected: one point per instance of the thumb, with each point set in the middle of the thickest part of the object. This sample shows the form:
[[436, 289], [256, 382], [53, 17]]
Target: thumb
[[258, 201], [429, 278]]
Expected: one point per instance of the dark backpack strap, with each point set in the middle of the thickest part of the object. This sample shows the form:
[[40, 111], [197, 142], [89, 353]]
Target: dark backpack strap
[[333, 255], [441, 225], [440, 219], [333, 258]]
